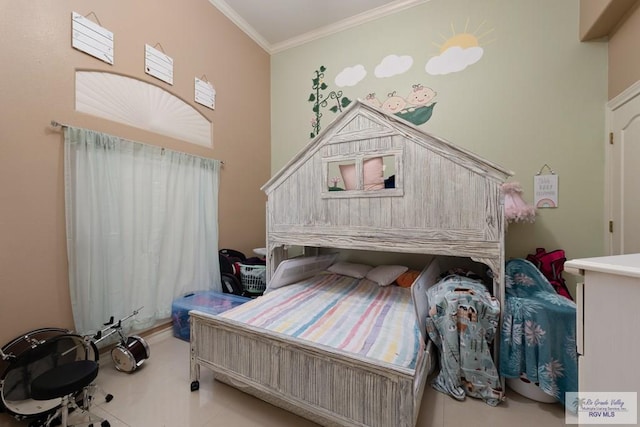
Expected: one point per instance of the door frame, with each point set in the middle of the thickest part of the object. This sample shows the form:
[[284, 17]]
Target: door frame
[[618, 101]]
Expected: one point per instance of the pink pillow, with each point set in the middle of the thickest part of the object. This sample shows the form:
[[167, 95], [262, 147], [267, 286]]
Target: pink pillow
[[348, 173], [373, 175]]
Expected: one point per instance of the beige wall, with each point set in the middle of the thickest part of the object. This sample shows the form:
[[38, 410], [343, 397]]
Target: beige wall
[[37, 85], [599, 18], [624, 61], [618, 23], [590, 13]]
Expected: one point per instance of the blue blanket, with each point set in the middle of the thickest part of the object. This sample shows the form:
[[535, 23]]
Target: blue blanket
[[462, 322], [538, 332]]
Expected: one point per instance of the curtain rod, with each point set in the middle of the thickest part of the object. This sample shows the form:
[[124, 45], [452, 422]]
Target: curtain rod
[[56, 124]]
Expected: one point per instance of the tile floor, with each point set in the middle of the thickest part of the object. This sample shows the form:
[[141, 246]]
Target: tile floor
[[158, 395]]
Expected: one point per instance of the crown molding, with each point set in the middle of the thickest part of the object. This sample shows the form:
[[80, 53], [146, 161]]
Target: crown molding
[[227, 11], [325, 31], [345, 24]]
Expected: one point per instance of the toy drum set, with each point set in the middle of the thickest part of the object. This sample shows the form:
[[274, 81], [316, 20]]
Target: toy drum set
[[129, 354], [26, 357]]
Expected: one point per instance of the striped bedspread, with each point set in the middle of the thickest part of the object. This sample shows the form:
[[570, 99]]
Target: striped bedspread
[[352, 315]]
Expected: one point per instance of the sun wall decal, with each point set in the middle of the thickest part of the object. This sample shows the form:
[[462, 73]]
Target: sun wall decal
[[458, 51]]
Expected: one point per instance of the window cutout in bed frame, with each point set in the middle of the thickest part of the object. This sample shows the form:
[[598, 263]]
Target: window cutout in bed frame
[[366, 174]]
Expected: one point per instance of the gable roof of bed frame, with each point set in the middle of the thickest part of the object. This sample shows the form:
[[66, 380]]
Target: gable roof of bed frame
[[373, 122]]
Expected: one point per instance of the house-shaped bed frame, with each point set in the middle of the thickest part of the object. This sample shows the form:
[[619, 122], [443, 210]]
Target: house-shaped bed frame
[[444, 201]]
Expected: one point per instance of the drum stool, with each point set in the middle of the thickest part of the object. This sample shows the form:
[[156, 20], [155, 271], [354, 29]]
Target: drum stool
[[66, 381]]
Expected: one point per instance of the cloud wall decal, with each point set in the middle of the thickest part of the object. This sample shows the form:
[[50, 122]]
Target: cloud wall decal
[[350, 76], [392, 65], [453, 59]]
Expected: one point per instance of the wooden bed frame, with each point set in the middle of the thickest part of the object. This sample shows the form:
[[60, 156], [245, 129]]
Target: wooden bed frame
[[325, 385], [445, 201]]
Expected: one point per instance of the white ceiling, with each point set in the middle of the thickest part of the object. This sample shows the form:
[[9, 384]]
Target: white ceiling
[[277, 25]]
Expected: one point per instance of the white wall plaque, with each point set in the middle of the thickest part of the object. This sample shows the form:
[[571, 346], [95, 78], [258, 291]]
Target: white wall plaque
[[545, 189], [205, 94], [158, 65], [91, 38]]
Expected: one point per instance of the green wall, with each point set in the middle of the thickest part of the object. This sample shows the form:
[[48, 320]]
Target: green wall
[[536, 96]]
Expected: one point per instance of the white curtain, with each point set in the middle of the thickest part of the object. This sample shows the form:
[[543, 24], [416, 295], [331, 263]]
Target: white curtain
[[142, 228]]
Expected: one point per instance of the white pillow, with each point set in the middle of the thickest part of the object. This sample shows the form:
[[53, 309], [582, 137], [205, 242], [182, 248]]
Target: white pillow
[[384, 275], [350, 269]]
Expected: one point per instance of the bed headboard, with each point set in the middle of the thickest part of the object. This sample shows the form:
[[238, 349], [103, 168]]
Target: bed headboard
[[443, 199], [293, 270]]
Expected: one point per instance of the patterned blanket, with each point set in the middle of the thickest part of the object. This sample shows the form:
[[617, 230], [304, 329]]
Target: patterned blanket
[[463, 319], [538, 332], [353, 315]]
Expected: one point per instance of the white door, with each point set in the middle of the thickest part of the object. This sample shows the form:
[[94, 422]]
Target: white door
[[623, 165]]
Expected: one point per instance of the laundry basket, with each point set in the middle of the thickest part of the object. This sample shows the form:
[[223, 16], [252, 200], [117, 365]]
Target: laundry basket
[[253, 278]]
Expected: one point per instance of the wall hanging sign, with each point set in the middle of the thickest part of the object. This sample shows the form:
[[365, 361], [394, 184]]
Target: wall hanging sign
[[205, 94], [545, 187], [158, 64], [91, 38]]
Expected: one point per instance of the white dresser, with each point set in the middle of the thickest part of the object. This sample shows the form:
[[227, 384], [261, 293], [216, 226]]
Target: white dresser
[[608, 323]]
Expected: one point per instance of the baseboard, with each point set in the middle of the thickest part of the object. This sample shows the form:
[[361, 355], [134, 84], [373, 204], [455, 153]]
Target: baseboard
[[165, 332]]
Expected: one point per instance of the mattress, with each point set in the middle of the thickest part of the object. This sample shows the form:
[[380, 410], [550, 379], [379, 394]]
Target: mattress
[[207, 301], [353, 315]]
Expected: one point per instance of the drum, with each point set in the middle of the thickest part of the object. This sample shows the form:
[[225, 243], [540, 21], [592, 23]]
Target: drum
[[31, 355], [129, 357]]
